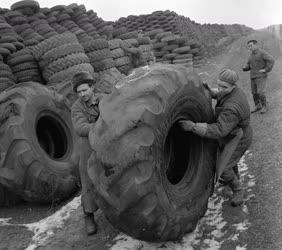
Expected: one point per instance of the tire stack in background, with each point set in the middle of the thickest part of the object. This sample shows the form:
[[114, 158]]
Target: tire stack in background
[[121, 60], [170, 48], [172, 39], [24, 66], [99, 54], [80, 17], [60, 57], [158, 19]]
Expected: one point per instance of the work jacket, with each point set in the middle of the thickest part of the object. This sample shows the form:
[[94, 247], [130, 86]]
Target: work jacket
[[232, 113], [258, 60]]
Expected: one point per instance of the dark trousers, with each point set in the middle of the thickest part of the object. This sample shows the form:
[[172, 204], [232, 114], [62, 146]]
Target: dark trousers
[[258, 86], [87, 189]]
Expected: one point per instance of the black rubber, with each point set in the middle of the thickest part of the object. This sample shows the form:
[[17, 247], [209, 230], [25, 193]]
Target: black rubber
[[153, 180], [37, 141]]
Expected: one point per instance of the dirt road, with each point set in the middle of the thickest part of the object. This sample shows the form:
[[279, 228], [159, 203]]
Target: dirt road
[[256, 225]]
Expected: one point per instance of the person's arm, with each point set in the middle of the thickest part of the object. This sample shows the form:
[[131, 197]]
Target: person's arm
[[79, 121], [269, 61], [247, 67], [226, 122], [213, 91]]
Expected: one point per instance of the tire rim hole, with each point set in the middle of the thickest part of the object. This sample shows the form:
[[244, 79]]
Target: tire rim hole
[[52, 136], [177, 152]]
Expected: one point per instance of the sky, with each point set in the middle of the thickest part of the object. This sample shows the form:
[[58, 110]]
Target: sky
[[253, 13]]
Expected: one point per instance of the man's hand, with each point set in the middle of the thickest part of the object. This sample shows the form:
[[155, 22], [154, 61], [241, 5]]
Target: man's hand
[[186, 125], [262, 71], [206, 86]]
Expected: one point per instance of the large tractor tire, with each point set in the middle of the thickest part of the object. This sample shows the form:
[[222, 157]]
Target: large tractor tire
[[38, 158], [152, 179]]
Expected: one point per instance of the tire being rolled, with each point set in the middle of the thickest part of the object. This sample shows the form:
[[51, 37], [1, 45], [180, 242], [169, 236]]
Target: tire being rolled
[[36, 144], [152, 179]]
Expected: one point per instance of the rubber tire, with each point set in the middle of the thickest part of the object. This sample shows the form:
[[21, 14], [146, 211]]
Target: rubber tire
[[28, 170], [133, 141]]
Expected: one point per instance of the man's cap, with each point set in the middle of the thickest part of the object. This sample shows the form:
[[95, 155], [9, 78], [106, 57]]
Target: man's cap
[[82, 78], [252, 41], [229, 76]]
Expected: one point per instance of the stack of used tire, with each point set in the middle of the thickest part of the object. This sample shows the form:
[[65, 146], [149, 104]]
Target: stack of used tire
[[52, 20], [60, 57], [156, 20], [24, 66], [39, 23], [146, 47], [7, 78], [99, 54], [96, 21], [8, 34], [121, 60], [198, 53], [170, 48], [22, 27], [22, 11], [63, 16], [119, 31], [79, 16]]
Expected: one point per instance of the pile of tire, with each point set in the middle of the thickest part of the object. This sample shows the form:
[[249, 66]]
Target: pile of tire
[[158, 19], [152, 179], [121, 60], [52, 20], [146, 47], [21, 26], [170, 48], [80, 17], [198, 52], [24, 66], [38, 155], [104, 28], [62, 14], [99, 54], [60, 57], [40, 25], [7, 78]]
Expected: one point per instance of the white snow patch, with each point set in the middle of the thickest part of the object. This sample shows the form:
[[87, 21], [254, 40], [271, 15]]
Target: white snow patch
[[44, 228], [240, 227], [241, 248], [4, 221]]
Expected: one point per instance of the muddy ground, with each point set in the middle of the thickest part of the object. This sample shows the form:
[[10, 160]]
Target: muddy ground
[[256, 225]]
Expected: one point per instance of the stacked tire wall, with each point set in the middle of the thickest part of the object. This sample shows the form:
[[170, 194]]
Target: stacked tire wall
[[206, 40], [49, 45]]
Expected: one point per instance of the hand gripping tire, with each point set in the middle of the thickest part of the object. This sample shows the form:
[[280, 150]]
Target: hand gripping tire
[[36, 144], [152, 179]]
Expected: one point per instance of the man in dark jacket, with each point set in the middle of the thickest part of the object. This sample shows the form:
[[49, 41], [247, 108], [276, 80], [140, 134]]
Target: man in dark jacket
[[232, 118], [84, 114], [259, 64]]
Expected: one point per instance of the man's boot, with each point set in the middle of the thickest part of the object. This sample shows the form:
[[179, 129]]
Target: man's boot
[[90, 224], [257, 102], [263, 102], [238, 193]]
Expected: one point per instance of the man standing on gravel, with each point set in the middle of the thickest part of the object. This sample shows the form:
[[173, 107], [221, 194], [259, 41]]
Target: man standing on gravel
[[259, 64], [232, 130], [84, 113]]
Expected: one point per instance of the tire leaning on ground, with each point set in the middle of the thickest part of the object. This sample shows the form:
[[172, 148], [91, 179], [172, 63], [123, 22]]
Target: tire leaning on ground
[[38, 159], [152, 179]]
